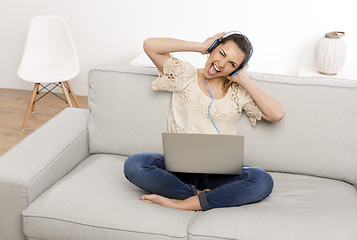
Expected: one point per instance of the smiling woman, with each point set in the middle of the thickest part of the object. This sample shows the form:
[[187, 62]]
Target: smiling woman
[[236, 50], [203, 101]]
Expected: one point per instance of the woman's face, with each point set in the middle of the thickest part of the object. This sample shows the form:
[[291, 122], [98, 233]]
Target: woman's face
[[223, 60]]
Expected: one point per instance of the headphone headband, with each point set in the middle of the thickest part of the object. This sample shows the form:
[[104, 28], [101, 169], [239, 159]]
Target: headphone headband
[[218, 41]]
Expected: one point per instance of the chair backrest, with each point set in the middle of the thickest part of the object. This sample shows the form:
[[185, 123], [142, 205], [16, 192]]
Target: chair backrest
[[49, 49]]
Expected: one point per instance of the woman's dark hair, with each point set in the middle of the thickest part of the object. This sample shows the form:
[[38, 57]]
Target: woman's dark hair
[[243, 43]]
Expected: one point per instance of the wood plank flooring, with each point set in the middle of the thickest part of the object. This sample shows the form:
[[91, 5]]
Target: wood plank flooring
[[13, 106]]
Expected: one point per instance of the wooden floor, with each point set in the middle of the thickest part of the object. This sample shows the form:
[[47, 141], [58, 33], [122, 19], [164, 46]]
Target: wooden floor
[[13, 106]]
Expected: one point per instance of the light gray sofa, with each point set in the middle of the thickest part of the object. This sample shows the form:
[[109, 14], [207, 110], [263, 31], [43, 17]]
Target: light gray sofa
[[66, 181]]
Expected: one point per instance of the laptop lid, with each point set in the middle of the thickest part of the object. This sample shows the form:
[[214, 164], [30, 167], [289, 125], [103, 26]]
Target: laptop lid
[[203, 153]]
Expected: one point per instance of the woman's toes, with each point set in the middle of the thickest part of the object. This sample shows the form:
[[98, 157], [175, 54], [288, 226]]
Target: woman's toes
[[146, 198]]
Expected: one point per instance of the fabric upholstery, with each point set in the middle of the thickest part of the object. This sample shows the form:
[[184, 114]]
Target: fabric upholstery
[[96, 201], [130, 119], [300, 207], [316, 136], [69, 194], [37, 162]]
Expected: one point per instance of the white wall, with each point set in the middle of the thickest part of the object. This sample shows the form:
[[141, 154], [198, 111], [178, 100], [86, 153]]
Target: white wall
[[284, 33]]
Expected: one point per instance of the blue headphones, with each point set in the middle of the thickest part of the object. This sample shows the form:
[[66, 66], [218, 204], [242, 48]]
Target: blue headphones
[[218, 41]]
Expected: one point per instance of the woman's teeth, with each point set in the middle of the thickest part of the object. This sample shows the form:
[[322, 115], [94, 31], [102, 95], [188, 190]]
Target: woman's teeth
[[213, 69]]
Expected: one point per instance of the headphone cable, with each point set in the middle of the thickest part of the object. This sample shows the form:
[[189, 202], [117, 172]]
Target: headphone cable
[[209, 107]]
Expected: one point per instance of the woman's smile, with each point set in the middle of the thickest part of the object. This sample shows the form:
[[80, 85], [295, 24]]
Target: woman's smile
[[213, 69], [223, 60]]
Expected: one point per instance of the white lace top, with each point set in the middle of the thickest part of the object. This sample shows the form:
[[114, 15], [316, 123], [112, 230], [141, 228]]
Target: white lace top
[[189, 110]]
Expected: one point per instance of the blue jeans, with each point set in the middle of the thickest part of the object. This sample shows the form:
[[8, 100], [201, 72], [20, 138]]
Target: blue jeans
[[147, 171]]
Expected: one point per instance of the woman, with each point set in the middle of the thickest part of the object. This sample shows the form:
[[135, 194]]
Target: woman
[[192, 92]]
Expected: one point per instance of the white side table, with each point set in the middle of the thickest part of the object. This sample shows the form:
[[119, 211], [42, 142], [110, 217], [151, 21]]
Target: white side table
[[313, 72]]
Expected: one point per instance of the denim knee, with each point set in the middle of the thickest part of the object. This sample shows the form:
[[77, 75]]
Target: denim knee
[[129, 167], [133, 165], [136, 164], [252, 186], [266, 184]]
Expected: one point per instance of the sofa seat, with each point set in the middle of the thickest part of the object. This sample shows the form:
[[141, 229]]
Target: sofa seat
[[95, 201], [300, 207]]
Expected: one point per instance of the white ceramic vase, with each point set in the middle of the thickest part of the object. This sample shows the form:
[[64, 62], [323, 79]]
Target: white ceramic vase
[[330, 53]]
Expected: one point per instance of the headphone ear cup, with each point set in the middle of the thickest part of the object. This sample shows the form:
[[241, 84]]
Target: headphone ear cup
[[214, 45]]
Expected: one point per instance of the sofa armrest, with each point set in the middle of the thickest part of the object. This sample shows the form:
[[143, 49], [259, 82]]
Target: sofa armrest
[[37, 162]]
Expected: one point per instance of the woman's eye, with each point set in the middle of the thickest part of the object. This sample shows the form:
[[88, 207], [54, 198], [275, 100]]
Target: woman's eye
[[233, 65], [222, 54]]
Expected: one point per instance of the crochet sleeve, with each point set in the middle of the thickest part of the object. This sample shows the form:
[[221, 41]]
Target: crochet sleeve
[[247, 104], [176, 75], [253, 112]]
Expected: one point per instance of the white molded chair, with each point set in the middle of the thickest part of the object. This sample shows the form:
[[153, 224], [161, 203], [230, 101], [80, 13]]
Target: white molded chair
[[49, 57]]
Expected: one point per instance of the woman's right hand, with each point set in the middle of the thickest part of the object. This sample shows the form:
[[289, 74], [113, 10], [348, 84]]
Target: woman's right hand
[[209, 41]]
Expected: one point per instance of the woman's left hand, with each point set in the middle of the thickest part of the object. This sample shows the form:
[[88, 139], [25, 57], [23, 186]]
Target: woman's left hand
[[239, 76], [209, 41]]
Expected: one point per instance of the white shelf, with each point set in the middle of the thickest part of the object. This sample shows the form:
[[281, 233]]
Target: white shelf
[[196, 59], [313, 72]]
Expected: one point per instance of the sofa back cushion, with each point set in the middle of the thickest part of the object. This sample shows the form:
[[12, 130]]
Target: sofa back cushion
[[316, 137], [126, 115]]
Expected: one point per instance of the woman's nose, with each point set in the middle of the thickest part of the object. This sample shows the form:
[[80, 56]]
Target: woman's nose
[[222, 63]]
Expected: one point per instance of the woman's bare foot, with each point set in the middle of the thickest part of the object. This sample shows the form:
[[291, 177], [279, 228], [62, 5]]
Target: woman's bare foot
[[191, 203], [154, 198]]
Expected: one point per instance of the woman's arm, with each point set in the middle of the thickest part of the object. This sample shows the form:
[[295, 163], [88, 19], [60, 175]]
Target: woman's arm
[[271, 108], [158, 49]]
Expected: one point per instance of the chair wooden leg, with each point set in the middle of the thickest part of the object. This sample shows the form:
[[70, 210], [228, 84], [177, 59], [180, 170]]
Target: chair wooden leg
[[72, 93], [66, 95], [34, 102], [29, 108]]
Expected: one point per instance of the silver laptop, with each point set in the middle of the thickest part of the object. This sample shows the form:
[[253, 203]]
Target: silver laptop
[[203, 153]]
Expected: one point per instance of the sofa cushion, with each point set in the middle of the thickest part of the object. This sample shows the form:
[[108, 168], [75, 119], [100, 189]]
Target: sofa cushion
[[300, 207], [126, 115], [95, 201], [316, 137]]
